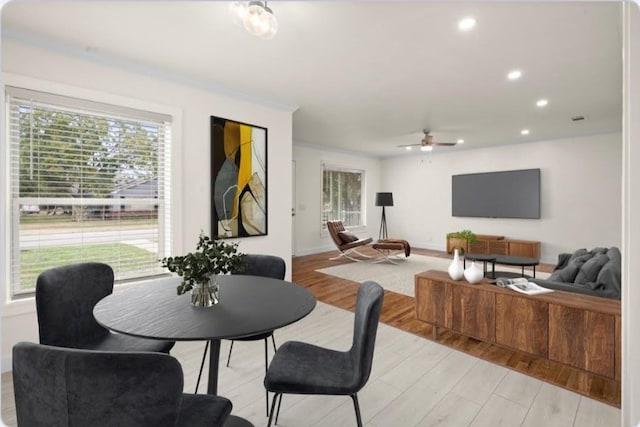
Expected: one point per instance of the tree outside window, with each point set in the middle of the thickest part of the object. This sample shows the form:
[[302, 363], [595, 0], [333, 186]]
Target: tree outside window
[[342, 192]]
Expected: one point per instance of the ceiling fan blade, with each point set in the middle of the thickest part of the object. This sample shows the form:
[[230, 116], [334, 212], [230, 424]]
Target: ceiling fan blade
[[444, 143], [409, 145]]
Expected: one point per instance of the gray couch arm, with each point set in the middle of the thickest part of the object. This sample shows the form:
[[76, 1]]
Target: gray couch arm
[[584, 289]]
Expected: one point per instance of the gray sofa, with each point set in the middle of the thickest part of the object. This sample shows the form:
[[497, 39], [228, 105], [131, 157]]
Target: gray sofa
[[596, 272]]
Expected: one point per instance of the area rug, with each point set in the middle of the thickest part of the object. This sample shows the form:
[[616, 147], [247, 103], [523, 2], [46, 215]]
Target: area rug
[[398, 278]]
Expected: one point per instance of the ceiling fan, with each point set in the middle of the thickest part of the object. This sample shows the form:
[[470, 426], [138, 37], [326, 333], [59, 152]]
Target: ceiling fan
[[427, 142]]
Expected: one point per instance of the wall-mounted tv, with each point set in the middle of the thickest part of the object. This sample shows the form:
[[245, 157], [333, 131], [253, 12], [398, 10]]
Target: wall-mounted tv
[[505, 194]]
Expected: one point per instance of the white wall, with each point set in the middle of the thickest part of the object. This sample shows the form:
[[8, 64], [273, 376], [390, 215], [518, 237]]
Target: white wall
[[631, 219], [580, 193], [194, 106], [308, 171]]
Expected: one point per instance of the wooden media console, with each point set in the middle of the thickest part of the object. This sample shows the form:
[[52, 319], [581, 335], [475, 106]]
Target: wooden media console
[[499, 245], [578, 330]]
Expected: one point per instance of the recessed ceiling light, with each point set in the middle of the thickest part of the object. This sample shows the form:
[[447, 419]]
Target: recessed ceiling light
[[524, 132], [426, 148], [467, 23], [514, 75], [407, 148], [542, 103], [460, 141]]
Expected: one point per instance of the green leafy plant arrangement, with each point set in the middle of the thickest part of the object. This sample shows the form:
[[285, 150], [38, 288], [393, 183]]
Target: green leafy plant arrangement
[[211, 257], [466, 236]]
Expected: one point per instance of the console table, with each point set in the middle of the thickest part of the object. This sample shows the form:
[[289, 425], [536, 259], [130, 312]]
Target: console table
[[499, 245], [578, 330]]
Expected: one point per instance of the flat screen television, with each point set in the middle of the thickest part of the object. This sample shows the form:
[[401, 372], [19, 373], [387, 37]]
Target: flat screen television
[[505, 194]]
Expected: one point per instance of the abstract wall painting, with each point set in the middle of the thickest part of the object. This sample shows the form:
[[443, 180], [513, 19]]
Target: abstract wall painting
[[239, 179]]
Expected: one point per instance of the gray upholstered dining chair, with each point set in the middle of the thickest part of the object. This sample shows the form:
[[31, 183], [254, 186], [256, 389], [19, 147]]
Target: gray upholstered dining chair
[[65, 297], [66, 387], [302, 368], [265, 266]]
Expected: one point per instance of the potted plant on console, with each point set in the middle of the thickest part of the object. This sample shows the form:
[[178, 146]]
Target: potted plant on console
[[199, 269], [461, 240]]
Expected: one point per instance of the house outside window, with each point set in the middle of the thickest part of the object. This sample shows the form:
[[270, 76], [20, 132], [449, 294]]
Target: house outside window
[[342, 196], [88, 182]]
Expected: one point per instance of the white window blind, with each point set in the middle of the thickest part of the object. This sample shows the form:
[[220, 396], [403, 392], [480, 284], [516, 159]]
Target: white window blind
[[88, 182], [342, 192]]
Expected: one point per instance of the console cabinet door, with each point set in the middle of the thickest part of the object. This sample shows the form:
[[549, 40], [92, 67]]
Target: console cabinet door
[[522, 323], [474, 313], [582, 338], [433, 302]]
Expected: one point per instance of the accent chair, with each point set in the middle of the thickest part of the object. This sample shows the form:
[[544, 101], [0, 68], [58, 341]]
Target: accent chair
[[65, 297], [65, 387], [302, 368]]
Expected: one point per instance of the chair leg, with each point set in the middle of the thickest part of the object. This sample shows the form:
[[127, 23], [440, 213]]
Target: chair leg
[[229, 356], [278, 410], [266, 366], [273, 340], [273, 407], [354, 396], [204, 357]]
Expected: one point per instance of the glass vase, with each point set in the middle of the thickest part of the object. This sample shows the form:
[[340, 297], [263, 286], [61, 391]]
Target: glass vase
[[205, 294]]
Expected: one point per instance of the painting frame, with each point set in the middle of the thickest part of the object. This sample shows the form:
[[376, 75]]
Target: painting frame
[[239, 181]]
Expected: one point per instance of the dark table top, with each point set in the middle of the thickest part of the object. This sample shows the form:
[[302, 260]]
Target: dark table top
[[248, 305], [480, 257], [516, 260]]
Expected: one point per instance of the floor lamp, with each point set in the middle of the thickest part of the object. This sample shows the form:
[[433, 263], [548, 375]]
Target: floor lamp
[[383, 199]]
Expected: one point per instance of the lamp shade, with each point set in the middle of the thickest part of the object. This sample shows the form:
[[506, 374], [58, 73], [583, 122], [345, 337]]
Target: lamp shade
[[384, 199]]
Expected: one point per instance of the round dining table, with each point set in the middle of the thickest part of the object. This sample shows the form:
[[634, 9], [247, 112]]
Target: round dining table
[[249, 305]]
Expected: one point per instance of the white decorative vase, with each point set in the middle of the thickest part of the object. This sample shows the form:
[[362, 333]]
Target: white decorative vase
[[205, 294], [455, 269], [473, 273]]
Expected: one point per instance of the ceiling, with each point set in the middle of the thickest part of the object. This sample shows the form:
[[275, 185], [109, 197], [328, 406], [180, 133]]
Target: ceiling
[[368, 76]]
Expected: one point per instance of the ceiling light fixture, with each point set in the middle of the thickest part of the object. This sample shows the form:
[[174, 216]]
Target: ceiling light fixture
[[407, 148], [467, 23], [524, 132], [426, 148], [460, 141], [255, 17], [514, 75], [542, 103]]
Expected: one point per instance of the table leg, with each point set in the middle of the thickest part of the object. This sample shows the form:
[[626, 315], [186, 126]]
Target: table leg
[[212, 386], [214, 359]]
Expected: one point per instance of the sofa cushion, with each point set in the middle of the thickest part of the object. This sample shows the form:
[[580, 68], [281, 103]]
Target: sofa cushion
[[596, 272], [570, 270], [347, 236], [567, 274], [590, 269]]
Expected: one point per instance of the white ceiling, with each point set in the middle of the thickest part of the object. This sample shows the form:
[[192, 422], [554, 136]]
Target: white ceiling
[[367, 76]]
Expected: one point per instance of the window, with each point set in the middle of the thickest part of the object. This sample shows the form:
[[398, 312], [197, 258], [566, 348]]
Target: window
[[88, 182], [342, 191]]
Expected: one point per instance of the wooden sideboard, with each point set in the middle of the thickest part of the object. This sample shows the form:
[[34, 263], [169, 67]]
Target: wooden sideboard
[[578, 330], [499, 245]]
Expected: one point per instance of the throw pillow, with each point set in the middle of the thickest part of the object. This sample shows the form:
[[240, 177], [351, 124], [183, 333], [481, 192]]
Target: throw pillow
[[347, 236], [567, 274], [590, 269]]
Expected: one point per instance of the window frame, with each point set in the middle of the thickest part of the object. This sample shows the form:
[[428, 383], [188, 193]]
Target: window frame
[[20, 303], [333, 167]]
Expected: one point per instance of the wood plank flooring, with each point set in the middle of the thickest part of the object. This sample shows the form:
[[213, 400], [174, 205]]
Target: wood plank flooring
[[398, 311]]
